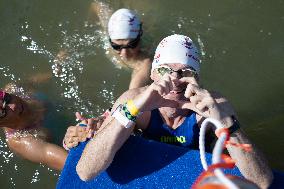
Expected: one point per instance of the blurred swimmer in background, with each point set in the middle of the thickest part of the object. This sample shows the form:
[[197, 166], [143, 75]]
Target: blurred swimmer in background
[[22, 119]]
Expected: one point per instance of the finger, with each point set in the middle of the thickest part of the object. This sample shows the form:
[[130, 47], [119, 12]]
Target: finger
[[168, 82], [78, 116], [90, 123], [161, 90], [205, 106], [190, 90], [187, 105], [190, 80], [202, 106], [90, 133], [165, 88], [72, 144], [195, 99], [99, 124]]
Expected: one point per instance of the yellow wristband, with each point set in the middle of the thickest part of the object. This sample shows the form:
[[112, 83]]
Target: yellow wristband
[[132, 108]]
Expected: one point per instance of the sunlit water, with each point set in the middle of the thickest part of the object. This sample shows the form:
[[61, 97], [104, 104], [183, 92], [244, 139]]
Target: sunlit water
[[241, 44]]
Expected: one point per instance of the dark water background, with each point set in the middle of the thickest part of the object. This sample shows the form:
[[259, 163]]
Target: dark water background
[[241, 43]]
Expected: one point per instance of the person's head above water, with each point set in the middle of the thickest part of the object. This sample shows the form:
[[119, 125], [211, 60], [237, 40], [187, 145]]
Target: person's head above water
[[13, 110], [177, 49], [125, 30], [176, 54], [176, 57]]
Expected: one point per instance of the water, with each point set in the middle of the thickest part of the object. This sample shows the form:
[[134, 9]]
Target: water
[[241, 43]]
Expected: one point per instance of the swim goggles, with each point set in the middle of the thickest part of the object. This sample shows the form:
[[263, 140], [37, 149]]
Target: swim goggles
[[6, 99], [131, 45], [187, 72]]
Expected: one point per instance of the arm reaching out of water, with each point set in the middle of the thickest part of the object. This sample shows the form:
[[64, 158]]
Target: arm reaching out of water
[[140, 75], [102, 11], [38, 151]]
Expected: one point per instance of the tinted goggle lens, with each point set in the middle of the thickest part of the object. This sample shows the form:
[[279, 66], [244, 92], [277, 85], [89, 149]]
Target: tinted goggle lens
[[183, 72], [132, 44]]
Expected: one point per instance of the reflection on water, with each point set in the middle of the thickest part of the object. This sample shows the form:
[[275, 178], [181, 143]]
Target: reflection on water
[[241, 45]]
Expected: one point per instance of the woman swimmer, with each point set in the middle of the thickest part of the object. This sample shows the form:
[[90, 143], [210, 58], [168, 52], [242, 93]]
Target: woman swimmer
[[22, 120]]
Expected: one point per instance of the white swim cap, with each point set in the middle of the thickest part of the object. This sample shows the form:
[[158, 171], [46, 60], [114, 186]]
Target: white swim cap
[[124, 24], [177, 49]]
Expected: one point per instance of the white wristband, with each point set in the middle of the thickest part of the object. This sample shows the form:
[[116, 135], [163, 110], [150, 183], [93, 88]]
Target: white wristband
[[122, 119]]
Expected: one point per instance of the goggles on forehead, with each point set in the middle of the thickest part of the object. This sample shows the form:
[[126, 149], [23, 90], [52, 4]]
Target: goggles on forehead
[[6, 99], [186, 72]]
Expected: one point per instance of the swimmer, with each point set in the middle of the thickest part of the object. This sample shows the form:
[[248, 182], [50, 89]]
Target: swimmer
[[173, 105], [125, 36], [22, 120]]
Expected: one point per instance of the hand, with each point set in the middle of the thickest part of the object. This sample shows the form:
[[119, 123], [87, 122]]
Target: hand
[[76, 134], [155, 96], [202, 102]]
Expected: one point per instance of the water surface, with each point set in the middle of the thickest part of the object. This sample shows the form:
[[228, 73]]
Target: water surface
[[241, 43]]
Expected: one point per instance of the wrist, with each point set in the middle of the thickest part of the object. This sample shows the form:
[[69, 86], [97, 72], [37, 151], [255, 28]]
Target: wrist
[[143, 100], [139, 104], [235, 125]]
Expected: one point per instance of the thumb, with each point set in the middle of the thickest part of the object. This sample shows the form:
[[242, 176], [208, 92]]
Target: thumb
[[90, 123], [80, 118], [187, 105], [191, 106]]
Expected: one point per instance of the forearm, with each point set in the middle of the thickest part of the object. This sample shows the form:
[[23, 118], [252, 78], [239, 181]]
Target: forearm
[[100, 151], [252, 165]]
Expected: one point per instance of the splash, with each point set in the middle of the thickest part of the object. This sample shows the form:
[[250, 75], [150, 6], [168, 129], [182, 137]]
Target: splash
[[201, 45], [67, 64]]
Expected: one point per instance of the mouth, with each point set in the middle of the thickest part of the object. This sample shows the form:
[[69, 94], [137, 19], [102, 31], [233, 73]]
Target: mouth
[[179, 91]]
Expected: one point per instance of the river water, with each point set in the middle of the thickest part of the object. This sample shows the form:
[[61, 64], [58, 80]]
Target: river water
[[241, 44]]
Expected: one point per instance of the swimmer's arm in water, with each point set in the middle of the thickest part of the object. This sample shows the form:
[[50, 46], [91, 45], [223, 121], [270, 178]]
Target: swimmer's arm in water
[[140, 74], [100, 151], [102, 11], [38, 151]]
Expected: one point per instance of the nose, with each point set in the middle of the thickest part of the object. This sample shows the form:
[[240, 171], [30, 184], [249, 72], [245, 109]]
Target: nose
[[176, 75], [175, 80], [12, 106], [123, 53]]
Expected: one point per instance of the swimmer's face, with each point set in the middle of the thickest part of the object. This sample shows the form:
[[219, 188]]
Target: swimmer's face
[[13, 110], [175, 71], [126, 48]]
